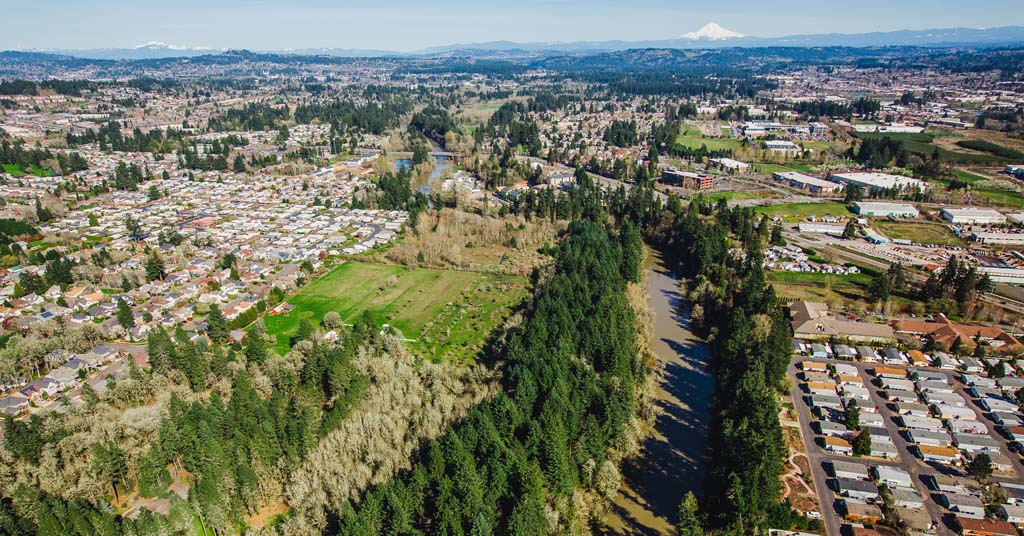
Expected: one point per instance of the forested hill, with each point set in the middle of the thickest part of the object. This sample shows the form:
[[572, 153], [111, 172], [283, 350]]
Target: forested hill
[[721, 61]]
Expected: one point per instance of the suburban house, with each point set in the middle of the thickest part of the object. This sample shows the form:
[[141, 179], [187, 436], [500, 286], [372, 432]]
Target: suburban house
[[984, 527], [863, 512], [964, 505]]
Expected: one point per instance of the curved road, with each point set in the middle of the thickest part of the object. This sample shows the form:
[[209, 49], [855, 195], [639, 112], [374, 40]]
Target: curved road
[[671, 461]]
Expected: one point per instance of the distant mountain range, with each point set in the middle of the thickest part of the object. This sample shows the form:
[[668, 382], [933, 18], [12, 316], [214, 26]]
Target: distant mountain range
[[710, 36]]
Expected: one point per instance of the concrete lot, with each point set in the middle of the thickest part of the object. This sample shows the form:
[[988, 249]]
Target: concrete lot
[[820, 458]]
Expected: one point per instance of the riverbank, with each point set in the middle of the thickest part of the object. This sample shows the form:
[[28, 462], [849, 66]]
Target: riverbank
[[672, 453]]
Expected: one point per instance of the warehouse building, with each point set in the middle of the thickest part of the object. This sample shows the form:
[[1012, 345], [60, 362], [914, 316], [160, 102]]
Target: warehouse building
[[806, 182], [880, 181], [875, 209], [972, 216], [999, 239]]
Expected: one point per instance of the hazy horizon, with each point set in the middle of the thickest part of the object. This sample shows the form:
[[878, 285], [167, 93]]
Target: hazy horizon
[[404, 25]]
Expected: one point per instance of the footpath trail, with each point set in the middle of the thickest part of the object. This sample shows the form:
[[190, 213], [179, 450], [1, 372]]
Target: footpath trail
[[671, 461]]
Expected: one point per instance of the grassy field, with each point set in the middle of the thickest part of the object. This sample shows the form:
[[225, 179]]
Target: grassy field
[[798, 210], [741, 194], [18, 172], [811, 278], [819, 287], [713, 144], [921, 233], [1003, 198], [448, 313], [768, 169]]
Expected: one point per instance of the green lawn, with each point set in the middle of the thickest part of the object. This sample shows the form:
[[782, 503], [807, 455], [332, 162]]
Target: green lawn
[[18, 172], [713, 144], [805, 209], [448, 313], [969, 177], [739, 194], [921, 233], [768, 169], [819, 287], [811, 278], [1004, 198]]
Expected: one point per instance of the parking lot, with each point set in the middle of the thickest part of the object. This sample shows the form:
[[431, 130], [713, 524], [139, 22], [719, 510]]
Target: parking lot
[[925, 477]]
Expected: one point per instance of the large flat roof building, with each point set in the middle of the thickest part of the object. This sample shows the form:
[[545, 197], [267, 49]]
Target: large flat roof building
[[806, 182], [811, 321], [880, 181], [884, 210], [1009, 239], [975, 216], [730, 164]]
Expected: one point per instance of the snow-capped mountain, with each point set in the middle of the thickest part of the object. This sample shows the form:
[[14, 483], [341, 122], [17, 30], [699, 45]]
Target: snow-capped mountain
[[712, 32], [159, 45]]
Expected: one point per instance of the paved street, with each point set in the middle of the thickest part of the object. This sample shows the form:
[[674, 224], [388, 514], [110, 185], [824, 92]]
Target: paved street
[[820, 458]]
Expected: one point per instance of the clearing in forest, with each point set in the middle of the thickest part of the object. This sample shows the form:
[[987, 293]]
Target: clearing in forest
[[446, 314]]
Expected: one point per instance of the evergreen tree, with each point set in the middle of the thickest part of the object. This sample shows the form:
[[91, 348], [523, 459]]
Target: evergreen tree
[[852, 416], [217, 325], [155, 267], [776, 238], [110, 465], [862, 443], [134, 229], [980, 467], [125, 317], [689, 517]]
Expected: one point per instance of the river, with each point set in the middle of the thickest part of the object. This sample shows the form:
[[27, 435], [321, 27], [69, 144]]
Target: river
[[441, 165], [671, 461]]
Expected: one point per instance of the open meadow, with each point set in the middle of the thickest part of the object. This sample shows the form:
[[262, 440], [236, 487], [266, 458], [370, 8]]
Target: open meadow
[[445, 313], [798, 211]]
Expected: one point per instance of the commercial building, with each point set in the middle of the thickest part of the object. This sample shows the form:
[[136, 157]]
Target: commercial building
[[806, 182], [972, 216], [999, 239], [1014, 276], [729, 164], [687, 179], [782, 146], [885, 210], [811, 321], [946, 332], [880, 181], [822, 228]]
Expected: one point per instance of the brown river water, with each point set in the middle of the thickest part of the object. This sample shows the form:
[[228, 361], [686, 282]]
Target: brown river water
[[671, 461]]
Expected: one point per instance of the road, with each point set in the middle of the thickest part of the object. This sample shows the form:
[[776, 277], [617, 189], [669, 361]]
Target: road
[[671, 461], [819, 458]]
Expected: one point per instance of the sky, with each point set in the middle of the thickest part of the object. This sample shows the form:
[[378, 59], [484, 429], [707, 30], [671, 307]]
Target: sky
[[408, 25]]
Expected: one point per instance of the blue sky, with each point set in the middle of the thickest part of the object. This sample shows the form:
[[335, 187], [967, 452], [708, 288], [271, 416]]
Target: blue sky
[[406, 25]]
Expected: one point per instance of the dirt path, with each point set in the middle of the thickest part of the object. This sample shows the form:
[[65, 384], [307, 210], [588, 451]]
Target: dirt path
[[671, 461]]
